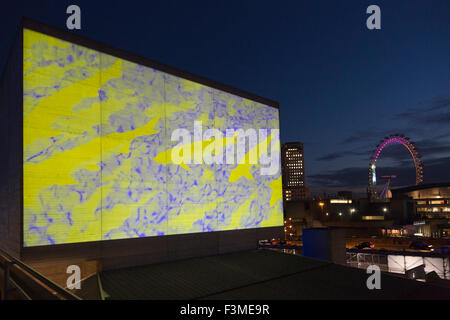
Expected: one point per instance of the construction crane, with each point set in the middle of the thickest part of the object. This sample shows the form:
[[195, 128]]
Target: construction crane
[[385, 192]]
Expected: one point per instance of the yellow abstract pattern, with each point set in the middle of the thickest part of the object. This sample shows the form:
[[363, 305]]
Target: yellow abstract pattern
[[97, 151]]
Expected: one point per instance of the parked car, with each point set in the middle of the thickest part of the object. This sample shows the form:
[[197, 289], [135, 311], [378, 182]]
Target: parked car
[[365, 245], [420, 245], [275, 241]]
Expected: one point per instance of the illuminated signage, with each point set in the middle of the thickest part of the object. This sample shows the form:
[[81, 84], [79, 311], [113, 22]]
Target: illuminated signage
[[97, 151], [340, 201], [372, 217]]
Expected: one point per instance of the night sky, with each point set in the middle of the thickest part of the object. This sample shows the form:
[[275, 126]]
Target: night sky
[[341, 87]]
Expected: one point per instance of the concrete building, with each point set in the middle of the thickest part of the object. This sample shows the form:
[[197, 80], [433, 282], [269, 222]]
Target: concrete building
[[428, 208], [293, 170], [358, 216], [84, 130]]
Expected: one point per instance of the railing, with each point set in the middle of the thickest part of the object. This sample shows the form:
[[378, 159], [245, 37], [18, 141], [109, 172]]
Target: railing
[[400, 261], [28, 283]]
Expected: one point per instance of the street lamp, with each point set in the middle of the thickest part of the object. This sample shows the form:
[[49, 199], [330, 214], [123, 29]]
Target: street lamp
[[321, 204]]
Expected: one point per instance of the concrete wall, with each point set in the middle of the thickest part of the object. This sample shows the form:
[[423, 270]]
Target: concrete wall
[[113, 254], [11, 150]]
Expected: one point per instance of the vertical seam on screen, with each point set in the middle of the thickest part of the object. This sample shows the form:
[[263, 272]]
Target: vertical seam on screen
[[166, 167], [101, 150], [214, 106]]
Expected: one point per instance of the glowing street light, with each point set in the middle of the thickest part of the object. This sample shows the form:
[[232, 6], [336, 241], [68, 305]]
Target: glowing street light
[[321, 204]]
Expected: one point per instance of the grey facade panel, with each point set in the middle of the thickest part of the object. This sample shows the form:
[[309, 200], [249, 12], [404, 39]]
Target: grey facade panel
[[11, 146], [115, 254]]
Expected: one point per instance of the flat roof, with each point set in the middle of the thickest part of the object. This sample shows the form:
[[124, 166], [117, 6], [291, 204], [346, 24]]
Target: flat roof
[[422, 187], [257, 274], [101, 47]]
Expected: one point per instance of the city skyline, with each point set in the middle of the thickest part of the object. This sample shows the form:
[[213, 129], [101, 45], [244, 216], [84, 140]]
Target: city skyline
[[341, 87]]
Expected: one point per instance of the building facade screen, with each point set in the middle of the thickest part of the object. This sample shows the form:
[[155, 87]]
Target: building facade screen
[[98, 148]]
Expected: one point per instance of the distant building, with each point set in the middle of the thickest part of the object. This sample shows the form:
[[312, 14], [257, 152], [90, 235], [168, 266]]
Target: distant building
[[420, 210], [430, 204], [355, 215], [293, 170]]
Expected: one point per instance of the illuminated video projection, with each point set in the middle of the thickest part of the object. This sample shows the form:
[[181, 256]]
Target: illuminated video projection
[[97, 151]]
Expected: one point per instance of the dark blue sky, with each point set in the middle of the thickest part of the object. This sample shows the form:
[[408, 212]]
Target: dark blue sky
[[341, 87]]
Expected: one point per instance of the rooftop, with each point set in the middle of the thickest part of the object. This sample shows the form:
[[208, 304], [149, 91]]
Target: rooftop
[[257, 274], [422, 187]]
